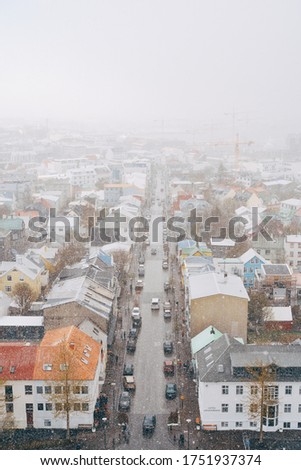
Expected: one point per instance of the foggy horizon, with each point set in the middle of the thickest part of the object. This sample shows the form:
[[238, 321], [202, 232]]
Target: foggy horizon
[[205, 67]]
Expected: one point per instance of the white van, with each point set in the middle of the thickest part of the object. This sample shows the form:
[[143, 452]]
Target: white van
[[155, 305]]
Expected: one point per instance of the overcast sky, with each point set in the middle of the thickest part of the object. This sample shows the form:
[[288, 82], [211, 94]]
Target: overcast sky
[[152, 60]]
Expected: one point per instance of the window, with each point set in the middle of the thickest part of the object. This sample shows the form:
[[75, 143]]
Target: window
[[47, 423], [299, 390], [40, 406], [85, 389], [8, 277], [271, 392], [7, 288], [63, 366], [299, 408], [28, 389], [225, 389], [254, 389], [238, 424], [9, 407], [57, 389], [48, 389], [253, 424], [39, 389], [58, 407], [9, 393], [224, 424], [48, 406], [95, 331], [1, 369], [299, 425], [287, 408], [21, 279], [76, 406], [239, 408], [225, 408], [239, 390], [85, 406], [253, 408], [76, 389], [288, 390], [286, 425]]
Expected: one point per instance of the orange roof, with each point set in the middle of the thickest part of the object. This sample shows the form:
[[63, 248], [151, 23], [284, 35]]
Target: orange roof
[[17, 361], [67, 345]]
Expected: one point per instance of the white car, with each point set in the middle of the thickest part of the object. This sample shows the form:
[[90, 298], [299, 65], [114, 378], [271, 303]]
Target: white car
[[136, 312]]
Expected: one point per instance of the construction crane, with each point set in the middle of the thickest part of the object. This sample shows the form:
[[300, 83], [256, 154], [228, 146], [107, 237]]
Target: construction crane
[[238, 143]]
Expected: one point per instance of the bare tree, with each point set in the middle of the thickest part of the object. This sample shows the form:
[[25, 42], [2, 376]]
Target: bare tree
[[121, 259], [24, 295], [262, 396], [68, 394], [71, 253], [259, 307]]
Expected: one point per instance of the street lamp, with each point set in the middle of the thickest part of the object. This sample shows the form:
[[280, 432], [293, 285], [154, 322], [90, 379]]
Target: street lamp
[[188, 421], [104, 421]]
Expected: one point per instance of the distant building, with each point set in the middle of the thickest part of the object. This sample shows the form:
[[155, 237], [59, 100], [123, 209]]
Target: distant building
[[279, 318], [292, 247]]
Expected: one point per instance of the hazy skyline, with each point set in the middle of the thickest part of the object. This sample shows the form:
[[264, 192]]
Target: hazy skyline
[[165, 60]]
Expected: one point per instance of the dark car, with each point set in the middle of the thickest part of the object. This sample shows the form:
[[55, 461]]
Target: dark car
[[149, 424], [171, 391], [124, 401], [131, 346], [168, 347], [133, 333], [128, 369]]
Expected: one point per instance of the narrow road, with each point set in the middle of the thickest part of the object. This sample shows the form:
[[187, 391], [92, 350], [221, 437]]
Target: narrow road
[[149, 356]]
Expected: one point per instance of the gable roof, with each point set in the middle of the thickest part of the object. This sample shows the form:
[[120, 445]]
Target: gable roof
[[251, 253]]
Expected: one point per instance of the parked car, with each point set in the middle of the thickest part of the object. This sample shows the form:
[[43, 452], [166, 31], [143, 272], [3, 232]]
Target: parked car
[[167, 314], [124, 401], [153, 251], [164, 264], [129, 383], [139, 285], [167, 305], [169, 368], [166, 286], [131, 345], [148, 425], [168, 347], [137, 322], [135, 311], [141, 271], [128, 369], [133, 333], [170, 391]]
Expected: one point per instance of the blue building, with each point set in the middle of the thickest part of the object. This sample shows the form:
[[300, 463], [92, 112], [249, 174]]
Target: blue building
[[251, 261]]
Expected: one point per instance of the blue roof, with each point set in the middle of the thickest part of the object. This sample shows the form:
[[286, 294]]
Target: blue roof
[[187, 243], [107, 259]]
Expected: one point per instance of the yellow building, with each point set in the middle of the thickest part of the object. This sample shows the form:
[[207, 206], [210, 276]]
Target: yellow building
[[21, 270]]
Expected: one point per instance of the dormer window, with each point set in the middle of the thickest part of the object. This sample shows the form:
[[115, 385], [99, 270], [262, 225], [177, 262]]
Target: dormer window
[[12, 369], [47, 367], [63, 367]]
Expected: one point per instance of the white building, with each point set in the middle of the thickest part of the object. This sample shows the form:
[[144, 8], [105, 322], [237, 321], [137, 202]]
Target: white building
[[33, 376], [225, 389], [292, 248]]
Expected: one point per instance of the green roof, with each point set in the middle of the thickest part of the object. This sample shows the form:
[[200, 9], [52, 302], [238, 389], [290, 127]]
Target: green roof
[[11, 224], [204, 338]]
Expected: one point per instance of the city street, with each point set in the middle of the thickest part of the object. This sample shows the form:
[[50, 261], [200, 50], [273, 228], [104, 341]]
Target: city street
[[149, 356]]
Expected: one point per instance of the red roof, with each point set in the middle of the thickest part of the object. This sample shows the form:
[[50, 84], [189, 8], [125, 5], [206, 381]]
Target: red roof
[[17, 361]]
